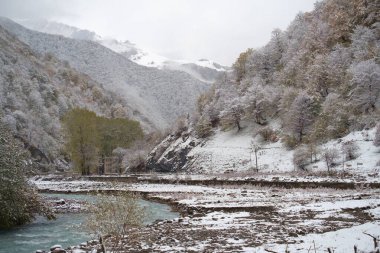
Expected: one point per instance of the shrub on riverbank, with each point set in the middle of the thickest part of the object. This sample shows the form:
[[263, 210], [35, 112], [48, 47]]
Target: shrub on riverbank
[[114, 215], [19, 202]]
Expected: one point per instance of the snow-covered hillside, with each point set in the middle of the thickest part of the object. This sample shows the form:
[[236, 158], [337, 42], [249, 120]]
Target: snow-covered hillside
[[298, 91], [202, 69], [232, 151], [157, 96]]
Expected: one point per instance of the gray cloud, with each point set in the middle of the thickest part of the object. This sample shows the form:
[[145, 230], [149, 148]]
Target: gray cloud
[[180, 29]]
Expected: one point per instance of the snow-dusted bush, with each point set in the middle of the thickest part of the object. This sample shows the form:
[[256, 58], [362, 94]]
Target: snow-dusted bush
[[268, 134], [290, 142], [180, 126], [301, 158], [203, 128], [114, 215], [350, 150]]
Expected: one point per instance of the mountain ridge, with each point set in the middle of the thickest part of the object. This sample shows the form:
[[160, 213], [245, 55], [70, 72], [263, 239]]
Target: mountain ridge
[[35, 93], [159, 96], [202, 69]]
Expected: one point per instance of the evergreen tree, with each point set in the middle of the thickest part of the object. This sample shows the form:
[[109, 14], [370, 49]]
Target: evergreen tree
[[18, 201]]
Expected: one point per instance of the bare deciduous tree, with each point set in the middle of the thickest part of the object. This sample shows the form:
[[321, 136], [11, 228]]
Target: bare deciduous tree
[[330, 156], [300, 115]]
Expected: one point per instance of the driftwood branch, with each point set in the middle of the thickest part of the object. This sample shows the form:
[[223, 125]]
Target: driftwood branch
[[271, 251]]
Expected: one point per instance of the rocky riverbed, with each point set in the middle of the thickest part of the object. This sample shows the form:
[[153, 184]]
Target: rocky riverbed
[[236, 218], [64, 205]]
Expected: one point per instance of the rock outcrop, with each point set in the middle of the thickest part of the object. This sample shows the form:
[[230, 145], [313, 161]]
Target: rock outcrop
[[172, 154]]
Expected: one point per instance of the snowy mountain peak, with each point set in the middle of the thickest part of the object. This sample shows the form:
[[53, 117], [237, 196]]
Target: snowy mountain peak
[[211, 64]]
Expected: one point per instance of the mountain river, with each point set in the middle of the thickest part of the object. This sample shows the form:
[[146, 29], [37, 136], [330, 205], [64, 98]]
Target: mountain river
[[65, 230]]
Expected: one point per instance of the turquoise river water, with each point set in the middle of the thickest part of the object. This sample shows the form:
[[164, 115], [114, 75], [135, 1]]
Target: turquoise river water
[[42, 234]]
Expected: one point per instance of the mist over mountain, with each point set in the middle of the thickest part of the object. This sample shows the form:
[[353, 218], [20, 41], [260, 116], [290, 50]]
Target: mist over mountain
[[158, 96], [203, 69]]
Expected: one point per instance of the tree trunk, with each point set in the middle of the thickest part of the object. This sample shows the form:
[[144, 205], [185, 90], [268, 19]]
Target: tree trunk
[[238, 125]]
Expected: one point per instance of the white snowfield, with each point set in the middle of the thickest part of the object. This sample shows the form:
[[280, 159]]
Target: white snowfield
[[232, 150], [340, 241]]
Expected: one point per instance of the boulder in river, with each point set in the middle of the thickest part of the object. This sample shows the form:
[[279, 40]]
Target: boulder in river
[[55, 247]]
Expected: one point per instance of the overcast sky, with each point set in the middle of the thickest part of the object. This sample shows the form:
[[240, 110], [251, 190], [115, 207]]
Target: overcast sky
[[178, 29]]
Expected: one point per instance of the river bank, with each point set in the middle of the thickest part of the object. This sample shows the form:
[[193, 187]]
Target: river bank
[[243, 218], [71, 211]]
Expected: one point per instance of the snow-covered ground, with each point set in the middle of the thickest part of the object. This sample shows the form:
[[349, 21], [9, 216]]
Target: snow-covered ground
[[340, 241], [232, 150]]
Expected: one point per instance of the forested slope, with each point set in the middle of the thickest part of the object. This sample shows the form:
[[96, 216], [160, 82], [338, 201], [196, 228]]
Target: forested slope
[[157, 97], [37, 90], [316, 81], [320, 77]]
